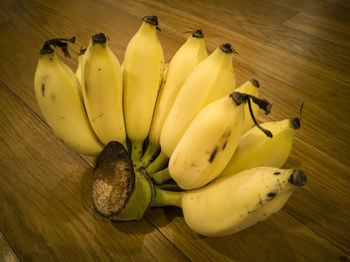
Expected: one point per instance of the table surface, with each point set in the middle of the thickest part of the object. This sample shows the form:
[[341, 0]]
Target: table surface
[[298, 50]]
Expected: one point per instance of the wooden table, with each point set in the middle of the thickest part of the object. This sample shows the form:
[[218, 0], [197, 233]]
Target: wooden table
[[298, 50]]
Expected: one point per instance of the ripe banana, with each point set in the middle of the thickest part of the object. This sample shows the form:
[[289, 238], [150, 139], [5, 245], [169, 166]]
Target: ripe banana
[[142, 75], [103, 90], [212, 79], [233, 203], [255, 149], [58, 92], [250, 87], [209, 142], [81, 57], [181, 65]]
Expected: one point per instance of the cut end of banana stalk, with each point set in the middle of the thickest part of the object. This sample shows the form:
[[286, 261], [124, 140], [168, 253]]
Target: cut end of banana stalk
[[114, 180], [99, 38], [297, 178]]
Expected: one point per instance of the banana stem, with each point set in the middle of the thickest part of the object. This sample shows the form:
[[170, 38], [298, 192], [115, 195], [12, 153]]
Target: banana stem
[[170, 186], [161, 176], [151, 151], [167, 198], [136, 151], [158, 164]]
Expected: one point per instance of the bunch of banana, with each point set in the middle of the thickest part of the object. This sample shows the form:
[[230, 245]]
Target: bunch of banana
[[225, 206], [188, 124]]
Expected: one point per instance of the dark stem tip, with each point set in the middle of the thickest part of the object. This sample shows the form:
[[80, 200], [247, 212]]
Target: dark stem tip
[[113, 180], [255, 83], [82, 51], [46, 49], [57, 42], [198, 33], [297, 178], [99, 38], [295, 122], [152, 20], [238, 97], [226, 48]]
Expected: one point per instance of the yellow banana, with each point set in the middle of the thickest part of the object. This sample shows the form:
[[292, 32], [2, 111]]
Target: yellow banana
[[233, 203], [102, 90], [209, 142], [142, 75], [181, 65], [78, 72], [58, 92], [255, 149]]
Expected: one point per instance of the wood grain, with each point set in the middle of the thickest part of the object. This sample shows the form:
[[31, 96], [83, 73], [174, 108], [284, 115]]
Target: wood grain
[[6, 252], [298, 50], [325, 28], [47, 212]]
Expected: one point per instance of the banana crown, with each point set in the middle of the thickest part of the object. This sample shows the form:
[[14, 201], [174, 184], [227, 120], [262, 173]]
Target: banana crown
[[118, 191]]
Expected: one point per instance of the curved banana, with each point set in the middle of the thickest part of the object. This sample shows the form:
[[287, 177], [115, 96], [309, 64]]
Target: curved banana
[[181, 65], [142, 75], [233, 203], [58, 92], [208, 144], [250, 87], [212, 79], [255, 149], [103, 90], [210, 141]]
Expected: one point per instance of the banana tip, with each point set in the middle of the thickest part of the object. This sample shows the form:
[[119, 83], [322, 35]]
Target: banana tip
[[298, 178], [99, 38], [255, 83], [152, 20], [198, 33], [295, 122]]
